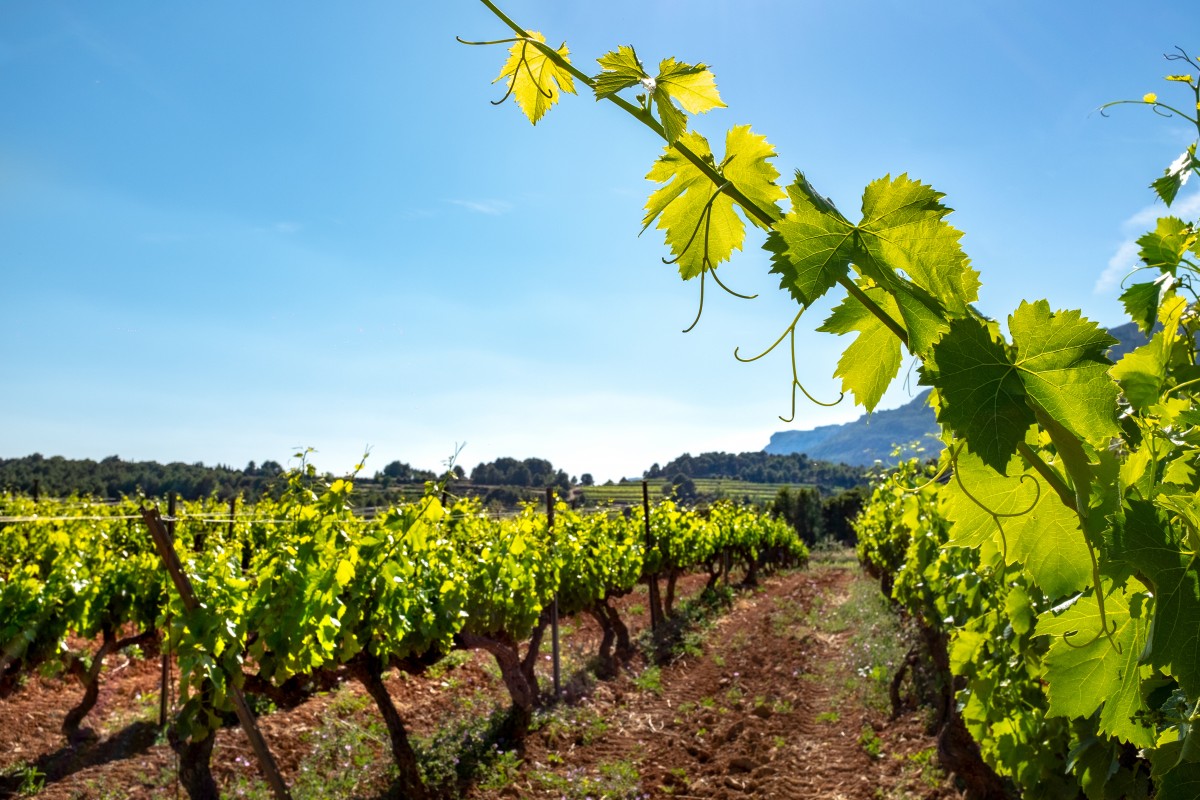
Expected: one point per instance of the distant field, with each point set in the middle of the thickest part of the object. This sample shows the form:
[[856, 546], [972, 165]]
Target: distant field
[[631, 492]]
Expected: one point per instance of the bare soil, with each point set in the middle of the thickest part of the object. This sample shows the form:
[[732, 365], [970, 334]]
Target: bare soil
[[766, 700]]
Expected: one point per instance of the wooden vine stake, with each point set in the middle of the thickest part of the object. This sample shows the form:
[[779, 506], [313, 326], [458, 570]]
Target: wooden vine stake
[[184, 586], [656, 614], [554, 602]]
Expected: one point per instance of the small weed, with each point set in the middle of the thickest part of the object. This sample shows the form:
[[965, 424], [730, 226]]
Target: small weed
[[451, 661], [637, 609], [579, 726], [870, 742], [782, 706], [925, 762], [778, 742], [687, 707], [830, 717], [708, 702], [616, 781], [719, 660], [30, 780], [347, 703], [502, 770], [650, 680]]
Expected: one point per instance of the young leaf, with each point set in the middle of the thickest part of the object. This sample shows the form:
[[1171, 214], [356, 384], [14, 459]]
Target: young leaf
[[983, 399], [1082, 677], [701, 226], [903, 230], [620, 70], [1040, 533], [693, 87], [872, 361], [1176, 175], [1141, 372], [1164, 247], [813, 244], [1061, 361], [1142, 300], [534, 78]]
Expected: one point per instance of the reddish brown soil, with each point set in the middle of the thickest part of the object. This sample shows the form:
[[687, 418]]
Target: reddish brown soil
[[765, 707]]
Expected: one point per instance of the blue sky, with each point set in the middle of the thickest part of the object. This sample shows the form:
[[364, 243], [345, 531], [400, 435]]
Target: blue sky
[[229, 230]]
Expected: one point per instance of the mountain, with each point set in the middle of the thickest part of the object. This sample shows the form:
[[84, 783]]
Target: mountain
[[873, 437], [870, 438]]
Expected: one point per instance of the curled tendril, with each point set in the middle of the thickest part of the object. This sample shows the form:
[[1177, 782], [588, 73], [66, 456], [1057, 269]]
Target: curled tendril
[[995, 515], [789, 333], [1180, 55], [706, 265], [937, 478], [1104, 631], [512, 83], [796, 384]]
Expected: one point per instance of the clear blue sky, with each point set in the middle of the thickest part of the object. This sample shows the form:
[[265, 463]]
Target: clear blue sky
[[231, 229]]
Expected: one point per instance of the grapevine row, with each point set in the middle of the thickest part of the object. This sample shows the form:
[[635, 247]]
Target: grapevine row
[[325, 595]]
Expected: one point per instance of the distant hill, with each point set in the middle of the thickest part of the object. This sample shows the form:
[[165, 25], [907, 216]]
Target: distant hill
[[868, 439], [873, 437]]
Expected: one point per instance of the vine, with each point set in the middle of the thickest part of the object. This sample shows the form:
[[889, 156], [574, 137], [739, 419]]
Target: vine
[[1111, 448]]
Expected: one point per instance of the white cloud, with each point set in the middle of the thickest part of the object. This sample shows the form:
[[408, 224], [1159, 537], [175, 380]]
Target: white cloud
[[1126, 256], [491, 207]]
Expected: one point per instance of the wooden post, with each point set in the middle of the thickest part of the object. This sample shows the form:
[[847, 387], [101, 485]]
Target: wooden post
[[165, 677], [232, 517], [184, 586], [37, 485], [554, 602], [651, 579]]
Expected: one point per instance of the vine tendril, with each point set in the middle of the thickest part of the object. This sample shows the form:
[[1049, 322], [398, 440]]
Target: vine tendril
[[731, 291], [995, 515], [700, 310], [789, 329]]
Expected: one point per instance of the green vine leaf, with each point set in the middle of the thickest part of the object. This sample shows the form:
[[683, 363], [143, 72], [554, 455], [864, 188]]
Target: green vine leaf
[[1165, 246], [702, 228], [1142, 300], [983, 398], [1062, 363], [872, 360], [1142, 372], [812, 246], [1176, 175], [1103, 673], [1154, 549], [903, 230], [1039, 532], [533, 78], [620, 69], [691, 86]]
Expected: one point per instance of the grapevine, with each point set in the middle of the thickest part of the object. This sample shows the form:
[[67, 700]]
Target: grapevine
[[1074, 474]]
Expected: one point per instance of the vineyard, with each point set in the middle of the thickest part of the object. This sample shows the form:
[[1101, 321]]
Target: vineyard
[[298, 596], [1051, 558], [1045, 571]]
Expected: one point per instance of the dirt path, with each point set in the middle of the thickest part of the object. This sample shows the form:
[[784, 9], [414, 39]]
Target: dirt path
[[781, 696]]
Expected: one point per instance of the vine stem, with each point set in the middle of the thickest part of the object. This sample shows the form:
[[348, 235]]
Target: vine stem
[[765, 217]]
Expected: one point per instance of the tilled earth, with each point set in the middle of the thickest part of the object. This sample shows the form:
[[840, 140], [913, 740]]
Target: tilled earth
[[771, 698]]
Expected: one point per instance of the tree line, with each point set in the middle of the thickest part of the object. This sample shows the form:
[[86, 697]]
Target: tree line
[[761, 467]]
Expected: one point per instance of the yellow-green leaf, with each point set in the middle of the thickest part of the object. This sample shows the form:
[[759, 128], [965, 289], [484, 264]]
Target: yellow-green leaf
[[535, 79]]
